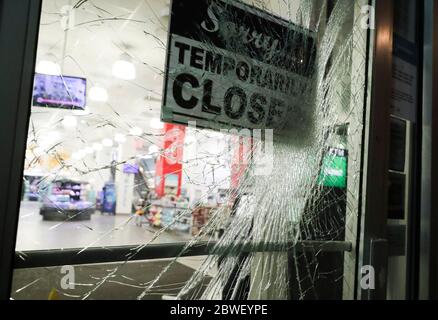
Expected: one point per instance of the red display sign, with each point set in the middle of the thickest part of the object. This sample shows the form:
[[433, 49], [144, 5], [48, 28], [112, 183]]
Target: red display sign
[[168, 172], [241, 157]]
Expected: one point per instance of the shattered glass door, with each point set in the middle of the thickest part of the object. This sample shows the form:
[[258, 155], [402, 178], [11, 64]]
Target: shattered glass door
[[237, 215]]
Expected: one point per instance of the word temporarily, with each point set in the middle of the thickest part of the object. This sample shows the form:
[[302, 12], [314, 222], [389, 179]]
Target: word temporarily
[[220, 64]]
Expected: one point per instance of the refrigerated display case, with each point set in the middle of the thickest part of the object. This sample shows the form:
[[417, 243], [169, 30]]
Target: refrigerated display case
[[67, 201]]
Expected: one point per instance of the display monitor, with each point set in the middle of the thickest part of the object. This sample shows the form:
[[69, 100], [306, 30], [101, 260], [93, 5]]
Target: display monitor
[[63, 92]]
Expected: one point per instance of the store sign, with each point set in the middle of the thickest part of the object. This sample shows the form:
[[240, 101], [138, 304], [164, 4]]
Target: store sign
[[334, 169], [405, 62], [231, 65], [168, 169], [405, 79]]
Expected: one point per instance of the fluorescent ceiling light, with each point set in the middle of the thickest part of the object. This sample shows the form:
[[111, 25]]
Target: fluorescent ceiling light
[[124, 68], [98, 93], [69, 122], [156, 124], [136, 131]]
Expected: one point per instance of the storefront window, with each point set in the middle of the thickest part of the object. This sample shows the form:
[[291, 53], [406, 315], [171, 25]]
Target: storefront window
[[111, 162]]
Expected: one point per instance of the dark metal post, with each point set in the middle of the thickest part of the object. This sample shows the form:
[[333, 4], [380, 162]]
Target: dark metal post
[[373, 249], [19, 21], [433, 229]]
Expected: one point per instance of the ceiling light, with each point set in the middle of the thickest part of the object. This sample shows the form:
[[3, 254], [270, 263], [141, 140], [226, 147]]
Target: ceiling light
[[156, 124], [98, 93], [97, 147], [47, 65], [69, 122], [136, 131], [89, 150], [120, 138], [107, 143], [124, 68]]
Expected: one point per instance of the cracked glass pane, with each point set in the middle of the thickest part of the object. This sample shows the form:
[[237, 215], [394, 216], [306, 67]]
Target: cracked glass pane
[[250, 192]]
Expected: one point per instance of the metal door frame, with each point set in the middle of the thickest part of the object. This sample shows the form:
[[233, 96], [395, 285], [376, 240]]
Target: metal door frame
[[372, 240], [19, 25], [428, 264]]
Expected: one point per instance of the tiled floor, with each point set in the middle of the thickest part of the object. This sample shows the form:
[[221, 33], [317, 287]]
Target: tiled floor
[[101, 230]]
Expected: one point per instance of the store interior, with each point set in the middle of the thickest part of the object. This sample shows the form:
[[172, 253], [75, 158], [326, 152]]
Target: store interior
[[101, 168]]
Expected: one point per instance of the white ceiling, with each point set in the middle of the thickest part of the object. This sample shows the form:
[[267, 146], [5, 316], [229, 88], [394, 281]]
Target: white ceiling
[[104, 30]]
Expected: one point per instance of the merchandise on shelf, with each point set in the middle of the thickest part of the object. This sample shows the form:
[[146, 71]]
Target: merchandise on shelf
[[67, 201], [171, 213], [201, 215], [32, 187]]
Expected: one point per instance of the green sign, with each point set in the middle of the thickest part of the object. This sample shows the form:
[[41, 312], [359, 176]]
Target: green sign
[[334, 169]]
